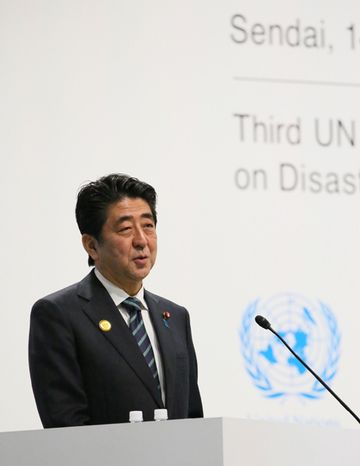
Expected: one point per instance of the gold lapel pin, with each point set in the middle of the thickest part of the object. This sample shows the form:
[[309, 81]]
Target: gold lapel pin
[[105, 325]]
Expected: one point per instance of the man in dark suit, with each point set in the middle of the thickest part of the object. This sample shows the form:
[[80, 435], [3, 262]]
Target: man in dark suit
[[106, 346]]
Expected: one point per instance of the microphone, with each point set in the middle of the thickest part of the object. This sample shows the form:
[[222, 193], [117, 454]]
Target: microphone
[[265, 324]]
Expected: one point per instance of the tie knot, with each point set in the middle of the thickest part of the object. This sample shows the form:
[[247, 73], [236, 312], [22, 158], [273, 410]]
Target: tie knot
[[132, 305]]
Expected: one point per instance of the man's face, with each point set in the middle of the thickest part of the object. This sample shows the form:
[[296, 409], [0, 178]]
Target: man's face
[[127, 249]]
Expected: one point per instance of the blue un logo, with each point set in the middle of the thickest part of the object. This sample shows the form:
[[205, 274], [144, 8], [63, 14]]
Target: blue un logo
[[311, 330]]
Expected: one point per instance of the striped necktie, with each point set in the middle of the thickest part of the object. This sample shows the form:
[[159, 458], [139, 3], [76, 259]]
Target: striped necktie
[[137, 328]]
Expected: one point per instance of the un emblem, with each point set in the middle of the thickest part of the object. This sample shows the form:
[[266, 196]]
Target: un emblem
[[310, 328]]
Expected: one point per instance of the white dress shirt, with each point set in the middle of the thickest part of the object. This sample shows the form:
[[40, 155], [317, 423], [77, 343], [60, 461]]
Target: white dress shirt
[[118, 296]]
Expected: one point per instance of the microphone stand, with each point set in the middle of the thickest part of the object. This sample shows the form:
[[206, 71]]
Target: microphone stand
[[264, 323]]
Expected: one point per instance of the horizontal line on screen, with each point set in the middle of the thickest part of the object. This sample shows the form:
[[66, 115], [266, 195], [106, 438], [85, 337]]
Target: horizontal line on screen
[[295, 81]]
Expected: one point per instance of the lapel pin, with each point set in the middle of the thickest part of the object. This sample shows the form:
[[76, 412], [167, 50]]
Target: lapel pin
[[105, 325], [166, 317]]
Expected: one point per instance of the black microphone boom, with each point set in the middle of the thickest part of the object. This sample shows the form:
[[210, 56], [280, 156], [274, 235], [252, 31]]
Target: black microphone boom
[[264, 323]]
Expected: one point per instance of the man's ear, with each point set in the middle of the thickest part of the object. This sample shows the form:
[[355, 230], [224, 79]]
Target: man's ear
[[90, 245]]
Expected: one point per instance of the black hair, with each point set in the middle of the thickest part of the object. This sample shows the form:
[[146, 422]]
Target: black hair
[[95, 197]]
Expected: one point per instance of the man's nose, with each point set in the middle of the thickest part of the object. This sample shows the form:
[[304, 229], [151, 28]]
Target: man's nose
[[139, 239]]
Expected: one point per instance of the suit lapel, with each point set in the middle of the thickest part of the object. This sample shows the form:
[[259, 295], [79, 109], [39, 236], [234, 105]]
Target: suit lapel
[[166, 344], [98, 306]]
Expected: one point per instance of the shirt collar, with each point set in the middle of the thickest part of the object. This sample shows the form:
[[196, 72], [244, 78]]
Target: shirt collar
[[117, 294]]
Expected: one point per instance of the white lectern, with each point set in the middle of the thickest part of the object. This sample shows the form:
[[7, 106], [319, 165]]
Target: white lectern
[[191, 442]]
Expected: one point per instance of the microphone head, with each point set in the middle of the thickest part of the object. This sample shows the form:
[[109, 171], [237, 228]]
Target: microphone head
[[264, 323]]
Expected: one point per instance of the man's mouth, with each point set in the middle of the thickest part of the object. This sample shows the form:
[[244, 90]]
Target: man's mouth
[[140, 259]]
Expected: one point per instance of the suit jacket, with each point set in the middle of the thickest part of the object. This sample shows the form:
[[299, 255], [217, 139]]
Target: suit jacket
[[83, 375]]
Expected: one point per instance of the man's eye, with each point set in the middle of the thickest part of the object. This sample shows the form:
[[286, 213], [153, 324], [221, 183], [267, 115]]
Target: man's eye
[[124, 229]]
